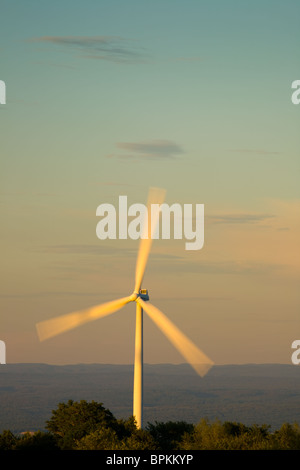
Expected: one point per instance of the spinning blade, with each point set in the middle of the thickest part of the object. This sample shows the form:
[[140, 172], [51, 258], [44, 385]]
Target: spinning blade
[[54, 326], [196, 358], [156, 196]]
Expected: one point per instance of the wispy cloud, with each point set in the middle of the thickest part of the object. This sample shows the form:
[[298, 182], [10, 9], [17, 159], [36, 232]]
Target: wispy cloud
[[256, 151], [154, 149], [53, 64], [239, 218], [101, 250], [49, 294], [115, 183], [233, 267], [110, 48], [188, 59]]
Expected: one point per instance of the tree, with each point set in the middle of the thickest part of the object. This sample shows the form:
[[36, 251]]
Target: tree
[[126, 427], [7, 440], [140, 439], [227, 436], [101, 439], [205, 436], [234, 429], [168, 435], [28, 441], [36, 441], [107, 439], [72, 421], [287, 437]]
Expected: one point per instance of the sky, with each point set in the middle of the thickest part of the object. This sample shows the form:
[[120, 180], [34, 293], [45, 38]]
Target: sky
[[109, 98]]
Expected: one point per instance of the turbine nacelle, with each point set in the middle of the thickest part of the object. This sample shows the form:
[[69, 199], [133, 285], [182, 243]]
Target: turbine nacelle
[[142, 294]]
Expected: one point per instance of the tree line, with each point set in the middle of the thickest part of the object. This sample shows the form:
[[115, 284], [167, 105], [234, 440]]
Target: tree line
[[90, 426]]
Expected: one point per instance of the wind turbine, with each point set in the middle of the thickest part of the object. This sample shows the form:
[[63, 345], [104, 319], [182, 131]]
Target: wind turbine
[[196, 358]]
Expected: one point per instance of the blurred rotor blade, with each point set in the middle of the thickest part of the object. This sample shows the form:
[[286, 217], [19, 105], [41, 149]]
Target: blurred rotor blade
[[155, 196], [196, 358], [54, 326]]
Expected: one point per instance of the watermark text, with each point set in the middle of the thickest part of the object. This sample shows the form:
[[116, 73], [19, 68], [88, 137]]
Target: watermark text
[[2, 92], [296, 94], [2, 352], [135, 222], [296, 353]]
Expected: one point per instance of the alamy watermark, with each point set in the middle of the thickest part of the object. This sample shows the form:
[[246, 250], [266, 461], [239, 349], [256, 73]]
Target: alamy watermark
[[2, 92], [296, 354], [184, 221], [296, 94], [2, 352]]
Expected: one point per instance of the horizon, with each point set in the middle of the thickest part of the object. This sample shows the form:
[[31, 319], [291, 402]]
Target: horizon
[[157, 364]]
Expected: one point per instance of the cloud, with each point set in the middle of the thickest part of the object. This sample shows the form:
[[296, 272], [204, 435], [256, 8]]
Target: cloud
[[188, 59], [50, 294], [114, 183], [256, 151], [53, 64], [86, 250], [110, 48], [101, 250], [154, 149], [239, 218], [232, 267]]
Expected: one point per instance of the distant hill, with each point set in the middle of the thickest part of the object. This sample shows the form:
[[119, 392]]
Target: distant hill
[[251, 393]]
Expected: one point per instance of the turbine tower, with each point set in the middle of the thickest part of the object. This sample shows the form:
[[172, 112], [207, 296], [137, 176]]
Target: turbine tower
[[194, 356]]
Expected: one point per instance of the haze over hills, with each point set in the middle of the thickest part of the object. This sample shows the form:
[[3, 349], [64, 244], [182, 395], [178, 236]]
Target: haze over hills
[[251, 393]]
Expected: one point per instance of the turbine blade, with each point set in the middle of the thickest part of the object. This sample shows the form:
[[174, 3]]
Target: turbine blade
[[155, 196], [196, 358], [54, 326]]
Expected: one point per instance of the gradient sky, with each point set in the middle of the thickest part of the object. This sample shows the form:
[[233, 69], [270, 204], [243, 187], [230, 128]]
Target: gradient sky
[[108, 98]]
